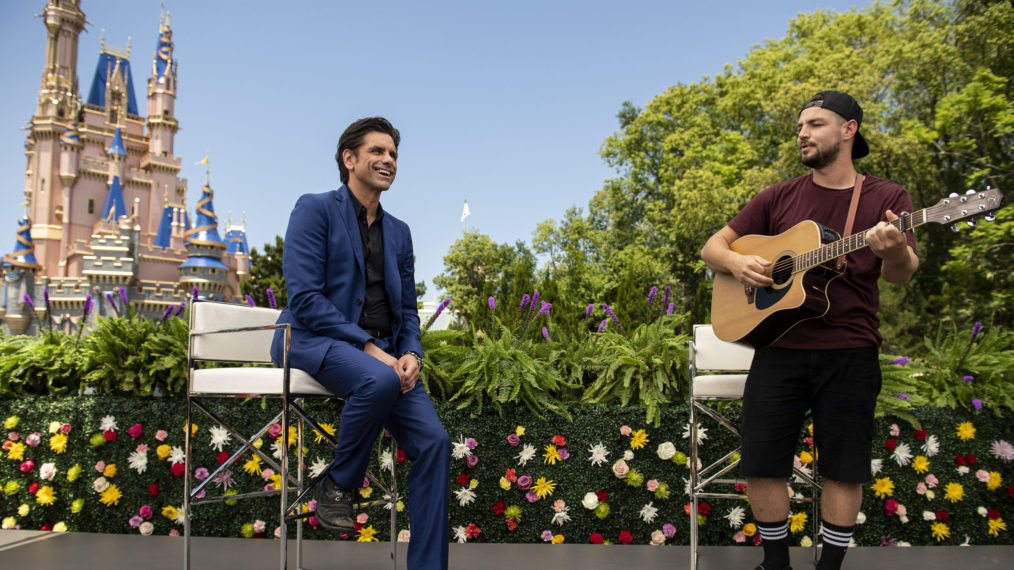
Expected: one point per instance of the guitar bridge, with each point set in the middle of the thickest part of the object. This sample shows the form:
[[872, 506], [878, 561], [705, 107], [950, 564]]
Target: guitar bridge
[[751, 294]]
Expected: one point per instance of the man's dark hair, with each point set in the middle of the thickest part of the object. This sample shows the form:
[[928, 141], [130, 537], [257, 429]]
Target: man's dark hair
[[353, 137]]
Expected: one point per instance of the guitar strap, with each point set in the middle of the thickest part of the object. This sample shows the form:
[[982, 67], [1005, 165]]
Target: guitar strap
[[856, 190]]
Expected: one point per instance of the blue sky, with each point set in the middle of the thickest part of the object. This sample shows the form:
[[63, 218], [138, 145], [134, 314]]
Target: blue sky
[[503, 104]]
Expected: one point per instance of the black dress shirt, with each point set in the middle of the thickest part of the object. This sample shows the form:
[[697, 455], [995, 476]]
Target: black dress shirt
[[376, 318]]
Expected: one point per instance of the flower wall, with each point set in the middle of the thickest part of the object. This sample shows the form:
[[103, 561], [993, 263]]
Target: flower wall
[[114, 464]]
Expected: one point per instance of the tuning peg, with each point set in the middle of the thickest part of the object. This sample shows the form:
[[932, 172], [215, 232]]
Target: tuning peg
[[952, 195], [955, 228], [971, 222], [989, 217], [970, 192]]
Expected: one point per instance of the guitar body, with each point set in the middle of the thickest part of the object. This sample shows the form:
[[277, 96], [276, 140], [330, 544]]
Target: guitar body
[[759, 317]]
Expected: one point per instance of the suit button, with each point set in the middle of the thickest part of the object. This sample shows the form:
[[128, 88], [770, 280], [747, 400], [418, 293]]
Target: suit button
[[359, 301]]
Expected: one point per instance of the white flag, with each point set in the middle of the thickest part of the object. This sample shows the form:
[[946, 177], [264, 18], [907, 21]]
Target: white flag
[[465, 212]]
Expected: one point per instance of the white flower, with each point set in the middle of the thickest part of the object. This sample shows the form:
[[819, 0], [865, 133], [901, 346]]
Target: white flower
[[902, 454], [666, 451], [736, 515], [386, 461], [590, 501], [100, 485], [903, 543], [277, 450], [702, 433], [318, 467], [526, 455], [219, 437], [180, 515], [861, 518], [390, 504], [620, 469], [931, 446], [929, 516], [657, 538], [1002, 450], [146, 528], [47, 471], [903, 519], [465, 496], [649, 512], [963, 470], [686, 486], [404, 535], [459, 449], [176, 455], [982, 511], [804, 470], [628, 455], [138, 461], [598, 454], [460, 535], [107, 423], [563, 515], [876, 465]]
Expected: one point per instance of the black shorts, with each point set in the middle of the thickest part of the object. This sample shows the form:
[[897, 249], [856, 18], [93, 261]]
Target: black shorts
[[839, 386]]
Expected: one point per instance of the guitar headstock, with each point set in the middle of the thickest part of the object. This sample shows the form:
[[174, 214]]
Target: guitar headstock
[[957, 207]]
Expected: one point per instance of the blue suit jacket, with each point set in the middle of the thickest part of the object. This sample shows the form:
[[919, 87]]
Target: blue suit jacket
[[325, 278]]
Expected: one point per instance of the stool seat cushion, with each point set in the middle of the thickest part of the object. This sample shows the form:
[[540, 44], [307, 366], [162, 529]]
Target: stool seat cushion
[[254, 382], [719, 386]]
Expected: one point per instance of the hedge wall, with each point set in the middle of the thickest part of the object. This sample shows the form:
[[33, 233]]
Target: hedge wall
[[105, 464]]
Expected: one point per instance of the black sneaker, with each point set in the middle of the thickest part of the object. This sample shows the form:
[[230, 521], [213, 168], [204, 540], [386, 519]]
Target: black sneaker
[[334, 507]]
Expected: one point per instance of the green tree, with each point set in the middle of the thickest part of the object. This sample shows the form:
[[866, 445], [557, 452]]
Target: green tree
[[266, 273]]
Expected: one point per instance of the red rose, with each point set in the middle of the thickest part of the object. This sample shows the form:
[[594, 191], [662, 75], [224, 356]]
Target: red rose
[[135, 431], [756, 539], [499, 508], [595, 538], [740, 487], [109, 434], [512, 524], [153, 489], [1010, 491], [703, 508], [358, 527], [993, 514], [222, 457], [603, 496], [970, 459], [890, 507], [890, 443], [178, 469], [625, 537], [27, 466], [511, 475], [401, 455], [942, 516], [559, 440], [472, 531], [462, 479], [33, 488], [46, 526], [258, 535], [920, 435], [959, 461]]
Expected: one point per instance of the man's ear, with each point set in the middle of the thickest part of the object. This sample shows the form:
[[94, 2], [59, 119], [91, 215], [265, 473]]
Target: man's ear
[[849, 129], [349, 156]]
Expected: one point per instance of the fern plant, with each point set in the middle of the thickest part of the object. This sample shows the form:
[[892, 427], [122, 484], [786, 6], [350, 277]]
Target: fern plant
[[969, 368], [115, 360], [50, 363], [443, 351]]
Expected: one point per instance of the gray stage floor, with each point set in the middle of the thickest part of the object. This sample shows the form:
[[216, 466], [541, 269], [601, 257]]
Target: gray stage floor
[[45, 550]]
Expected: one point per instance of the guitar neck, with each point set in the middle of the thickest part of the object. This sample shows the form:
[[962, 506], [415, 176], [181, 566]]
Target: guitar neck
[[854, 242]]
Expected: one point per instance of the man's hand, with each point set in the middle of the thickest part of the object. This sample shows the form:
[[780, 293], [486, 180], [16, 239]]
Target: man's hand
[[751, 270], [887, 241], [409, 372], [374, 351]]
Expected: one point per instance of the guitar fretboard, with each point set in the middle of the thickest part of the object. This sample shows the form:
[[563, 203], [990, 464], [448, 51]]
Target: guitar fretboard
[[854, 242]]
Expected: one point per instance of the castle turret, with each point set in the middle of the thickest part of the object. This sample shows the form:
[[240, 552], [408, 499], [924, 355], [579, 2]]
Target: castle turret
[[204, 268], [20, 270], [161, 164], [58, 93]]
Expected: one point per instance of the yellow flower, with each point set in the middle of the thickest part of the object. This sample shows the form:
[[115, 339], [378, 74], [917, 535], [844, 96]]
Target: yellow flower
[[749, 529], [77, 505], [11, 422], [54, 427], [111, 496], [60, 527], [551, 455], [17, 451], [940, 531], [162, 451], [258, 443], [954, 492], [399, 506], [319, 437], [966, 431], [58, 443], [230, 502], [810, 428], [169, 512], [883, 487], [638, 439], [473, 484], [23, 510], [45, 496], [367, 534], [505, 484], [276, 480], [293, 435], [519, 431], [543, 488], [365, 493], [797, 522], [193, 430], [921, 464], [11, 488], [557, 539], [253, 465], [995, 480], [74, 472], [806, 542], [109, 471], [996, 525], [805, 457]]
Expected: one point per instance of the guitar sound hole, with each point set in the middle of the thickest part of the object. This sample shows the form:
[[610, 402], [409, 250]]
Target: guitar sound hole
[[782, 270]]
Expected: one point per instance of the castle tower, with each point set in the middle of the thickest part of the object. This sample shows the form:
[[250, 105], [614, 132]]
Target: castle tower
[[236, 244], [20, 269], [58, 93], [161, 164], [204, 268]]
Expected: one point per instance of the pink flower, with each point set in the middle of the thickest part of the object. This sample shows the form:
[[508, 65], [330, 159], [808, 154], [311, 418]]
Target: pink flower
[[470, 443], [625, 430], [808, 441], [652, 485], [201, 474], [161, 435], [669, 530], [366, 482], [739, 487], [547, 536], [921, 488], [472, 460], [982, 475], [135, 521], [558, 505], [757, 539], [174, 532], [65, 429], [100, 466], [902, 511], [524, 482], [145, 512], [142, 448], [620, 469], [563, 453], [513, 440], [266, 474], [135, 431], [33, 439], [931, 480], [13, 436], [362, 518], [274, 431], [739, 537], [531, 496], [27, 466], [259, 526], [895, 430]]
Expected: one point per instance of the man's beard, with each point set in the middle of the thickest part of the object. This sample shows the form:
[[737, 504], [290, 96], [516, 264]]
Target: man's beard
[[821, 158]]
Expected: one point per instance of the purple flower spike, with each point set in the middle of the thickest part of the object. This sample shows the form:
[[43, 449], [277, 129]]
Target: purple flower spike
[[976, 329], [535, 301], [123, 295], [669, 310], [271, 299], [901, 361], [112, 303], [492, 303], [45, 297], [249, 300], [977, 403], [180, 308], [545, 333], [588, 311], [668, 291], [602, 325], [967, 378], [524, 300], [611, 314], [652, 293], [443, 305], [544, 309], [28, 301], [902, 396], [89, 304], [167, 313], [196, 292]]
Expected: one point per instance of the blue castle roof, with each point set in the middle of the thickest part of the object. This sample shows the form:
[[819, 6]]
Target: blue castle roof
[[114, 201], [71, 136], [205, 230], [235, 241], [164, 49], [24, 250], [107, 64], [164, 236], [204, 261], [117, 146]]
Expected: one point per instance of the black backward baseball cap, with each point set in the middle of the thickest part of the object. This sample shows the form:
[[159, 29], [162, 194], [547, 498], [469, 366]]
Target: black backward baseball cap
[[846, 106]]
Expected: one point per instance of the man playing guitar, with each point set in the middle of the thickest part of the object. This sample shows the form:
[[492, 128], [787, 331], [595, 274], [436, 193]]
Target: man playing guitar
[[827, 364]]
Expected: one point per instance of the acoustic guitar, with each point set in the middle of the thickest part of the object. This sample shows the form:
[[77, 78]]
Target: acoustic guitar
[[804, 263]]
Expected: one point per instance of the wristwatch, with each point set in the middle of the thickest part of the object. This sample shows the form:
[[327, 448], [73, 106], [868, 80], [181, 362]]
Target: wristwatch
[[418, 357]]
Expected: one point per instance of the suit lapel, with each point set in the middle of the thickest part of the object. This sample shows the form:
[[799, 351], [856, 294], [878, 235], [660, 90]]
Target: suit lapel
[[392, 275], [347, 214]]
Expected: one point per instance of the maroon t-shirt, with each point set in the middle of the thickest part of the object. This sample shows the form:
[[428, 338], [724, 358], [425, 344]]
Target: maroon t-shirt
[[851, 321]]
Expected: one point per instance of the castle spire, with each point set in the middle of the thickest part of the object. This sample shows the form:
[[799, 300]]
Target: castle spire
[[58, 94], [24, 250]]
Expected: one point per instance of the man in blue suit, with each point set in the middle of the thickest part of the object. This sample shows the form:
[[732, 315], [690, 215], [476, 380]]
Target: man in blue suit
[[349, 272]]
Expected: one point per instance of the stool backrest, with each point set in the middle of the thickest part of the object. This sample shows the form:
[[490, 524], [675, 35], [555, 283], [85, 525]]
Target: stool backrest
[[716, 355], [245, 346]]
